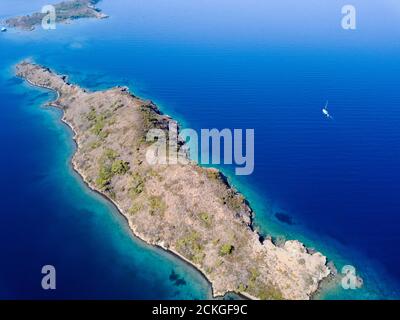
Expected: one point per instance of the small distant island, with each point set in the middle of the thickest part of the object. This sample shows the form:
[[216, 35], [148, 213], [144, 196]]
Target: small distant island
[[188, 210], [65, 11]]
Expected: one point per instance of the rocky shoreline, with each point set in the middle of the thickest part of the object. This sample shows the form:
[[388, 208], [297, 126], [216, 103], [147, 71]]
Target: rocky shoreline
[[184, 209]]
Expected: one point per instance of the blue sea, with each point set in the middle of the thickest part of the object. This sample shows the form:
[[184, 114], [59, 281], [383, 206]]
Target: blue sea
[[266, 65]]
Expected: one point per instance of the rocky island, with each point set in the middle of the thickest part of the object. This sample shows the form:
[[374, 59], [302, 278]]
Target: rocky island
[[188, 210], [65, 11]]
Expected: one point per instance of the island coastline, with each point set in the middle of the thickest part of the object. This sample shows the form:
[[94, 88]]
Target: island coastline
[[65, 11], [75, 166]]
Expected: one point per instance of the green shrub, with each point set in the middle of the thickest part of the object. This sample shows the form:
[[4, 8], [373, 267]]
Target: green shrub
[[110, 154], [205, 217], [137, 185], [99, 124], [135, 208], [94, 145], [104, 177], [191, 247], [226, 249], [241, 287], [234, 201], [213, 174], [91, 115], [150, 117], [269, 293], [119, 167], [198, 257], [104, 134], [254, 274], [157, 205]]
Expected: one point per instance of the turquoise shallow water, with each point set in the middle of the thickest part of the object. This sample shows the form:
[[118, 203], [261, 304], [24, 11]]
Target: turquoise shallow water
[[209, 65]]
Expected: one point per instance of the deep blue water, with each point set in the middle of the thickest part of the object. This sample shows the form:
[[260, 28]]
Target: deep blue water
[[232, 64]]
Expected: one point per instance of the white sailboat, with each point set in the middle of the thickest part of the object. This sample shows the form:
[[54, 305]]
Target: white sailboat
[[325, 111]]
